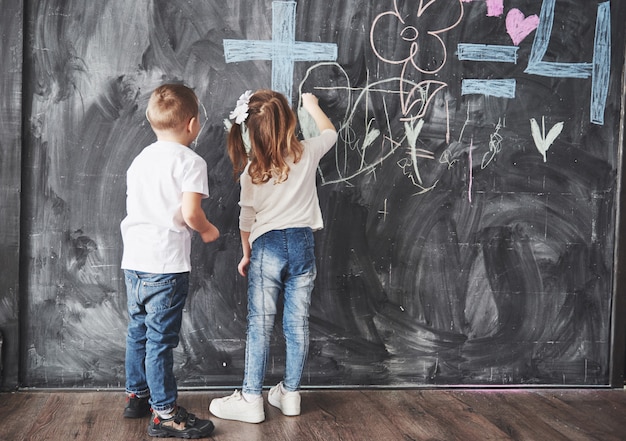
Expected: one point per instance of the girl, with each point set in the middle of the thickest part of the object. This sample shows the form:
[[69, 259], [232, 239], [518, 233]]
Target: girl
[[279, 212]]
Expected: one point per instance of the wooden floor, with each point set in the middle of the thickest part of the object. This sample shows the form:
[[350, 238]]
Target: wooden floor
[[347, 415]]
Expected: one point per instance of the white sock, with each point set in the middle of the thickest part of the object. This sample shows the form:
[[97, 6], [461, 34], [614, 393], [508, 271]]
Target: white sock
[[166, 414]]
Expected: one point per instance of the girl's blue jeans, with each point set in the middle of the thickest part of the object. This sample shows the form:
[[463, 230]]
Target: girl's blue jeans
[[281, 262], [155, 310]]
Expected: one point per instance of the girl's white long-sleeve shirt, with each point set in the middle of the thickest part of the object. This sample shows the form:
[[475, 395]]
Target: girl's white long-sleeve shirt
[[290, 204]]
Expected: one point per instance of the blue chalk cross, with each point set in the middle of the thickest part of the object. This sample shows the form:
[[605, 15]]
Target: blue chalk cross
[[283, 49]]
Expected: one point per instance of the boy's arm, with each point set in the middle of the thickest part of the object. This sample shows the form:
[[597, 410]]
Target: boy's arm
[[194, 216]]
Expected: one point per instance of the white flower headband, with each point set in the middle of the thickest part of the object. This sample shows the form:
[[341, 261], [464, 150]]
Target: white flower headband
[[240, 114]]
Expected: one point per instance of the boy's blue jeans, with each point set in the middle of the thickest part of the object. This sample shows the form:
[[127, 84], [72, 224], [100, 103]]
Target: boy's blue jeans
[[155, 310], [282, 261]]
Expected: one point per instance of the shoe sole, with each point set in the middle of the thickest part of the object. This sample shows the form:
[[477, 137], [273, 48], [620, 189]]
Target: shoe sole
[[196, 434]]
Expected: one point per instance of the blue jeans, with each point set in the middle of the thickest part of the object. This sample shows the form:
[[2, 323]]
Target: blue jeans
[[282, 261], [155, 310]]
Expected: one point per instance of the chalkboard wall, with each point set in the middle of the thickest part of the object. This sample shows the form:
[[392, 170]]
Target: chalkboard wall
[[470, 204], [10, 160]]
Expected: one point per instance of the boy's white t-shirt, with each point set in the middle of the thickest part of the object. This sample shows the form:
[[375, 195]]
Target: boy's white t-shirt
[[155, 235], [290, 204]]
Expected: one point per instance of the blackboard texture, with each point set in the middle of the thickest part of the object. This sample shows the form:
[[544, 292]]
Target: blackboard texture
[[470, 203], [11, 37]]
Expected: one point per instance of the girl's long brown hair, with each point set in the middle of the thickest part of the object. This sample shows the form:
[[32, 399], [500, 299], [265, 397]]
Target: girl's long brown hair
[[271, 125]]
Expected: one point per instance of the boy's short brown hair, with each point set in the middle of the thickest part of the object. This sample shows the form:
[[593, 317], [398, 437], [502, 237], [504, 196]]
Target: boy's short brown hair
[[171, 106]]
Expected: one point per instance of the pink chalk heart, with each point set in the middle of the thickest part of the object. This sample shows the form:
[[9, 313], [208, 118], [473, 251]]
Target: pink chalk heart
[[518, 27]]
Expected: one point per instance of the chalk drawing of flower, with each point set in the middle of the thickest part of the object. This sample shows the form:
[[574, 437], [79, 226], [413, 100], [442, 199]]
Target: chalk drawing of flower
[[414, 41]]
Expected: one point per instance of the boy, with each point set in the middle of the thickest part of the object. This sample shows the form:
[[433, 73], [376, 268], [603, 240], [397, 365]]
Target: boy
[[165, 185]]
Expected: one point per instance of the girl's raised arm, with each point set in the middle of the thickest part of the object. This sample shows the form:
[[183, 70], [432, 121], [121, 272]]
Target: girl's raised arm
[[311, 105]]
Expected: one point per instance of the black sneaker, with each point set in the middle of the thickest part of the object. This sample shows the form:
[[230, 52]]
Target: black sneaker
[[136, 407], [180, 425]]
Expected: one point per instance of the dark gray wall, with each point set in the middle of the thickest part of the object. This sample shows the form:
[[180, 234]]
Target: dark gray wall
[[459, 248]]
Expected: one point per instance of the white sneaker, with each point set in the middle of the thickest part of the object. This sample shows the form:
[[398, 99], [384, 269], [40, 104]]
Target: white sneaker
[[235, 407], [287, 402]]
